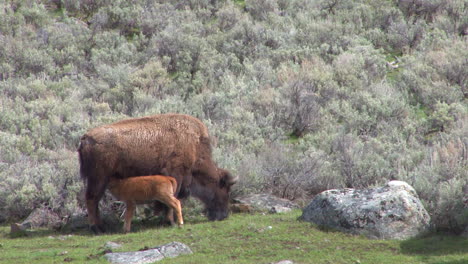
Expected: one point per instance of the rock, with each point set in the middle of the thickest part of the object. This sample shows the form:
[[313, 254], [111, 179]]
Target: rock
[[170, 250], [41, 217], [112, 245], [77, 221], [174, 249], [265, 202], [62, 237], [279, 209], [390, 212], [140, 257], [240, 208], [17, 230], [283, 262], [16, 227]]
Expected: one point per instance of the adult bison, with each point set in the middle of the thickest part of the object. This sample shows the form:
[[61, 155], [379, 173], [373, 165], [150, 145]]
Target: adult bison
[[168, 144]]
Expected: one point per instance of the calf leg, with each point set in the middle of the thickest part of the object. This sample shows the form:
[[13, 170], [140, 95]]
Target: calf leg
[[183, 177], [174, 204], [178, 210], [128, 215]]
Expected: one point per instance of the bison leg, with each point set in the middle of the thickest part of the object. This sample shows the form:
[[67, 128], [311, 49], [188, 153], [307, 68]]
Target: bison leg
[[128, 215], [170, 216], [160, 209], [94, 192]]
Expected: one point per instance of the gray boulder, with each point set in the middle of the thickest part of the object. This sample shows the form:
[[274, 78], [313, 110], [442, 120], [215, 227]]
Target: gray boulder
[[76, 221], [170, 250], [40, 217], [266, 202], [79, 221], [390, 212]]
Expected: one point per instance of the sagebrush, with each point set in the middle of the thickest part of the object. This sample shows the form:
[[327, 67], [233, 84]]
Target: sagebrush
[[300, 96]]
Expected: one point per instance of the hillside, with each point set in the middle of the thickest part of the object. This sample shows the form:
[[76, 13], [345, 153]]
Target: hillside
[[300, 96]]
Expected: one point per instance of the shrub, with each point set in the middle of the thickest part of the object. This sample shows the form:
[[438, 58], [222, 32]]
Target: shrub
[[300, 111], [438, 76], [441, 182], [31, 183], [259, 9], [281, 170]]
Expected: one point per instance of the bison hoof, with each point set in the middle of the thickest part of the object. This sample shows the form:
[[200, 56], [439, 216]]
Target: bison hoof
[[98, 229]]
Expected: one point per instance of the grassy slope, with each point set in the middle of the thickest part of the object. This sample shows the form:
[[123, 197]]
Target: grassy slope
[[240, 239]]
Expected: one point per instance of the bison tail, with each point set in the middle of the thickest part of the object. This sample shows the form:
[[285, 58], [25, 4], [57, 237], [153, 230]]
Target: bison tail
[[87, 162]]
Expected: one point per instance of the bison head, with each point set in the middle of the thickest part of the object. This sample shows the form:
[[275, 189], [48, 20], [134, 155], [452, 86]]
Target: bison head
[[215, 195]]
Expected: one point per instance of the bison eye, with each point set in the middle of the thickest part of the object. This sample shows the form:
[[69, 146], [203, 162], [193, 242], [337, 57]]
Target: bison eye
[[223, 183]]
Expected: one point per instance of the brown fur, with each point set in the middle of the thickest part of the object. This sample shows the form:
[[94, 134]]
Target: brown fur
[[167, 144], [137, 190]]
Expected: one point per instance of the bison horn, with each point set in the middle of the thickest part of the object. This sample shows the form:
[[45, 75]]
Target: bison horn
[[231, 179]]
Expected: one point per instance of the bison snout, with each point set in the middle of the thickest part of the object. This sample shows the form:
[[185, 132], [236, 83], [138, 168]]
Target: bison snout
[[217, 215]]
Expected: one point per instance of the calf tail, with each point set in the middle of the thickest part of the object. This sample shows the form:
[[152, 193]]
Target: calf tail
[[174, 186]]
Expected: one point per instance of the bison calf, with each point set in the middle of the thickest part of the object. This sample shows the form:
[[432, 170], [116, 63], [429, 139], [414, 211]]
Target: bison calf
[[137, 190]]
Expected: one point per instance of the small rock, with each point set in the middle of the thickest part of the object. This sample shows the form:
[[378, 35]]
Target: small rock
[[170, 250], [280, 209], [140, 257], [174, 249], [16, 228], [112, 245], [283, 262], [77, 221], [241, 208], [17, 231], [63, 237], [265, 202]]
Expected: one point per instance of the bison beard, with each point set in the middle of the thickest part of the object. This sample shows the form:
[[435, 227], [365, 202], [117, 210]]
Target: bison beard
[[167, 144]]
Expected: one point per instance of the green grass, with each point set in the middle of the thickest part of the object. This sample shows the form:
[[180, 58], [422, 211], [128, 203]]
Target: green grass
[[243, 238]]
